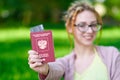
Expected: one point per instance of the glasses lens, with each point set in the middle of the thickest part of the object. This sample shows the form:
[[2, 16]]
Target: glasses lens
[[83, 27], [97, 27]]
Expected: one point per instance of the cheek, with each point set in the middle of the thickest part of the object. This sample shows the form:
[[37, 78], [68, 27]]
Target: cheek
[[77, 34]]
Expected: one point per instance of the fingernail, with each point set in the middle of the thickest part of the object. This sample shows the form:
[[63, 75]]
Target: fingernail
[[43, 59], [29, 51]]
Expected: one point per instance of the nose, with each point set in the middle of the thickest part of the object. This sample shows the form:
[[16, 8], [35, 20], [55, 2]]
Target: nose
[[90, 30]]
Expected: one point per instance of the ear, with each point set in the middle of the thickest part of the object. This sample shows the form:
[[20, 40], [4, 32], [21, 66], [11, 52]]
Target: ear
[[70, 30]]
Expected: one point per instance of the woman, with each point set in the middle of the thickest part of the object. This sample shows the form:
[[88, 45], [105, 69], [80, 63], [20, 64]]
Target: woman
[[87, 61]]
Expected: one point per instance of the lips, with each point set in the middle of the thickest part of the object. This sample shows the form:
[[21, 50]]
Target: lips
[[88, 37]]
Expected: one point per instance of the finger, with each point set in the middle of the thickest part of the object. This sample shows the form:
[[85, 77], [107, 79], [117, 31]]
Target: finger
[[35, 65], [32, 61], [35, 56], [40, 56], [38, 64], [32, 52]]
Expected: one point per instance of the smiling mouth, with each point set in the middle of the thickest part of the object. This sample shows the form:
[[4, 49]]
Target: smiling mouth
[[88, 37]]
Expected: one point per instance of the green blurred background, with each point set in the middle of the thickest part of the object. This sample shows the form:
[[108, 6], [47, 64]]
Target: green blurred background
[[16, 18]]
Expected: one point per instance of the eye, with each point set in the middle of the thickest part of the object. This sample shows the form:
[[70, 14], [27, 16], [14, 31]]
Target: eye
[[81, 25], [93, 25]]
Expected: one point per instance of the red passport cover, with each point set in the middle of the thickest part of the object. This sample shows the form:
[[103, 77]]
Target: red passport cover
[[42, 42]]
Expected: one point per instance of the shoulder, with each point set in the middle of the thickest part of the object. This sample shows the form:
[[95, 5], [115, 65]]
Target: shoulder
[[108, 53], [111, 57], [107, 50]]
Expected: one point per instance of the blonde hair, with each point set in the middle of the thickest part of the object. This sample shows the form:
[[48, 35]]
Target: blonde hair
[[75, 8]]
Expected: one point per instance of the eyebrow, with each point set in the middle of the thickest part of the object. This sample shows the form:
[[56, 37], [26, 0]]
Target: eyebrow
[[93, 21]]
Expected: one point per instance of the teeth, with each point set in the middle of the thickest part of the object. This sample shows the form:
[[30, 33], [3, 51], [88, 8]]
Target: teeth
[[88, 37]]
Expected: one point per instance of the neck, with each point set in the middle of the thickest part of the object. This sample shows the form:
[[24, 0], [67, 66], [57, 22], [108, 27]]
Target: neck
[[83, 50]]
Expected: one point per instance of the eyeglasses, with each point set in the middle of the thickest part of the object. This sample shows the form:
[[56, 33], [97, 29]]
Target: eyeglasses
[[83, 27]]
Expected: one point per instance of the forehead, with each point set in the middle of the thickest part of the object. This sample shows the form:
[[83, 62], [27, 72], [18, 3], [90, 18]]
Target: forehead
[[86, 16]]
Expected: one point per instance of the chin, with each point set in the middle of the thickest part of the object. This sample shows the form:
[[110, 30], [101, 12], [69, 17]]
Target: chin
[[88, 43]]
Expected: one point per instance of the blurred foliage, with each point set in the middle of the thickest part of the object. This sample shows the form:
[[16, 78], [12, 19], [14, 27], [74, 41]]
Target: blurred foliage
[[113, 8], [38, 11], [32, 11]]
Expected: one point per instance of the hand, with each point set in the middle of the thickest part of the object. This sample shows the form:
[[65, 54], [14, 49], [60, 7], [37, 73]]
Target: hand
[[36, 62]]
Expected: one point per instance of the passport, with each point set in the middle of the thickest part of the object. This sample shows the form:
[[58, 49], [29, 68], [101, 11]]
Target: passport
[[42, 42]]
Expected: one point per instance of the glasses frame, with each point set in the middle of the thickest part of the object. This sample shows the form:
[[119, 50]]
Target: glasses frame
[[99, 26]]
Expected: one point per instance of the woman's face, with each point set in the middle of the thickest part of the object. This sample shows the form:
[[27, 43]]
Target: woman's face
[[87, 37]]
